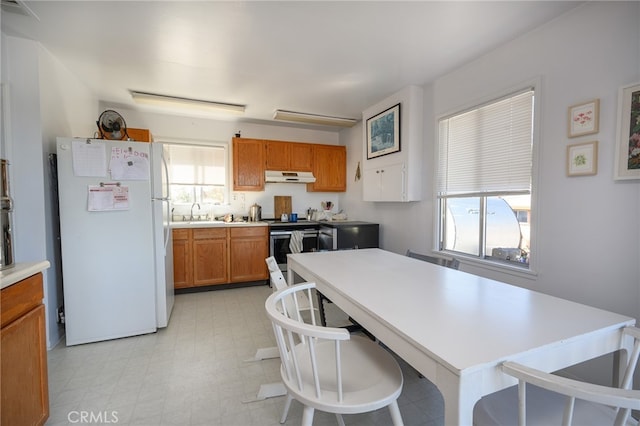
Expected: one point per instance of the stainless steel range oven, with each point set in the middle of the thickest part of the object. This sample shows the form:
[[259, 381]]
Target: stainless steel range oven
[[280, 239]]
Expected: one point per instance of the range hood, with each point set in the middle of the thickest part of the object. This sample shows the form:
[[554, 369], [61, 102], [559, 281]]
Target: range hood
[[289, 177]]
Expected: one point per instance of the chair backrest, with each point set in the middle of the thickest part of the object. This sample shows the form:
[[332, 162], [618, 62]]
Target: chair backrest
[[442, 261], [623, 398], [299, 343], [277, 279]]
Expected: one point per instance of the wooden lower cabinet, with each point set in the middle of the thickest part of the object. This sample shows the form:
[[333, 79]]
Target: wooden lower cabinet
[[24, 389], [182, 263], [248, 249], [219, 255], [209, 256]]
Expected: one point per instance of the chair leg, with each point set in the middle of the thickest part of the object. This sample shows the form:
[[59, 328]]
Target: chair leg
[[321, 299], [285, 412], [340, 419], [396, 417], [307, 416]]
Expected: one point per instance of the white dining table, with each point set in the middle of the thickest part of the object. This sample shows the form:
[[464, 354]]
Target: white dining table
[[456, 328]]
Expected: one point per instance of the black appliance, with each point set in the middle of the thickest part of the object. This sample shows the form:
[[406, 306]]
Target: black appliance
[[348, 235], [280, 238]]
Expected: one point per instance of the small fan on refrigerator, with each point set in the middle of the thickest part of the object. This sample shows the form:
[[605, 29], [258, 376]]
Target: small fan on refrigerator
[[111, 125]]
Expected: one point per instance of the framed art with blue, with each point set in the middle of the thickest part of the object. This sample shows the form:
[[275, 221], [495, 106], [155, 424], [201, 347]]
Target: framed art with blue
[[383, 133]]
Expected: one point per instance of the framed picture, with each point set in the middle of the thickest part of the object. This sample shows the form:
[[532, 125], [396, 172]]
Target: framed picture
[[627, 165], [383, 133], [582, 159], [584, 118]]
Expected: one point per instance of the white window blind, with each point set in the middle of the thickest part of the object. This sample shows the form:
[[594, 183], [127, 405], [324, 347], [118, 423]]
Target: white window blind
[[487, 149], [196, 165]]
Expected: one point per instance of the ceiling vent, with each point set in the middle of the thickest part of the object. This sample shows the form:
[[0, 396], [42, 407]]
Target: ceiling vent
[[18, 7]]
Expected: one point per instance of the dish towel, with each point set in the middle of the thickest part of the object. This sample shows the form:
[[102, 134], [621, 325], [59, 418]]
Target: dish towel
[[295, 242]]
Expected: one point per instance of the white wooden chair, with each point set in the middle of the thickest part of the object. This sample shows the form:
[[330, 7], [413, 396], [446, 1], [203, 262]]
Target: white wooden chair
[[271, 390], [278, 283], [442, 261], [547, 399], [328, 369]]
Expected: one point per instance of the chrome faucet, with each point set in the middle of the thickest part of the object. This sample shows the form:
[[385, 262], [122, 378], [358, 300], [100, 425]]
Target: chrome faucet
[[192, 206]]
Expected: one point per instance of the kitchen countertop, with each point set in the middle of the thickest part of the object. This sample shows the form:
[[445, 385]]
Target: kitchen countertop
[[214, 224], [21, 271]]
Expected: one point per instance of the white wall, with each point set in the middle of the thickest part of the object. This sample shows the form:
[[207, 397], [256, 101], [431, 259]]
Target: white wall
[[67, 108], [588, 232], [45, 101]]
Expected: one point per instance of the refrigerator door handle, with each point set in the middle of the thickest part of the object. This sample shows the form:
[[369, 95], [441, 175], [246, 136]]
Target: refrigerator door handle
[[166, 199]]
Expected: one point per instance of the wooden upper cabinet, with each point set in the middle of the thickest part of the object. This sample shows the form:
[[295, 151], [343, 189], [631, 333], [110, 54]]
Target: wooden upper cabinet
[[248, 164], [289, 156], [329, 169], [278, 155], [301, 157], [251, 157]]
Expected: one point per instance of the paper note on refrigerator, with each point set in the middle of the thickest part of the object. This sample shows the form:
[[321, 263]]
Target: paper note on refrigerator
[[89, 158], [108, 197], [129, 164]]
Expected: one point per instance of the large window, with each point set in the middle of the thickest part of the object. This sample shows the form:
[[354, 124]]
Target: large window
[[197, 174], [484, 180]]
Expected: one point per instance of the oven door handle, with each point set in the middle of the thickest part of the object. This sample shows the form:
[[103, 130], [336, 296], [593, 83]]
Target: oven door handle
[[280, 234]]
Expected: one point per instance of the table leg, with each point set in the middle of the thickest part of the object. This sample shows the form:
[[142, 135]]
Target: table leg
[[460, 396]]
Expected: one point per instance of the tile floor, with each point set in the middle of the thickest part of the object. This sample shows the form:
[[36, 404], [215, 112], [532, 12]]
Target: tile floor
[[195, 372]]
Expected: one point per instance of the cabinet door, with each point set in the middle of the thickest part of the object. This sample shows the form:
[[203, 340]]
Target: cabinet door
[[182, 263], [278, 155], [301, 157], [392, 183], [329, 169], [248, 164], [23, 363], [209, 256], [249, 247], [386, 183]]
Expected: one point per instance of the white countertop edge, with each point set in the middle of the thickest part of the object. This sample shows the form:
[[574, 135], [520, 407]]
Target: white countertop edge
[[215, 224], [20, 271]]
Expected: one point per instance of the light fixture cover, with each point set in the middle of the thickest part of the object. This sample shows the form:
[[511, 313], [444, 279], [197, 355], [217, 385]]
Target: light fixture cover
[[185, 103], [301, 117]]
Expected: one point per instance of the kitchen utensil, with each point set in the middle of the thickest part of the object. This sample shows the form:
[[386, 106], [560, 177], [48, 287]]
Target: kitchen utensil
[[294, 217], [255, 213], [284, 217], [326, 205], [281, 204]]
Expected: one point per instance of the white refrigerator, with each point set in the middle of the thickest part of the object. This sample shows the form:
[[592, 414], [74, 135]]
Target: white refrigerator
[[117, 265]]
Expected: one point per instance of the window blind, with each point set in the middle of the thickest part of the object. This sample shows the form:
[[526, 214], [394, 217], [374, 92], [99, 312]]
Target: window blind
[[487, 149], [196, 165]]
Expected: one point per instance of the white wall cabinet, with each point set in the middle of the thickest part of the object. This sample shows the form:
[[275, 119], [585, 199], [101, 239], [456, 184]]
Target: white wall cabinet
[[386, 183], [396, 177]]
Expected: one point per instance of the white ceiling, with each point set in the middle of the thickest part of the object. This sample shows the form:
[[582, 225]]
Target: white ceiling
[[331, 58]]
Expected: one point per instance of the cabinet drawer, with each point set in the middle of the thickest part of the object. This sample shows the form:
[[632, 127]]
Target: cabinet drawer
[[249, 231], [20, 298], [181, 234], [209, 233]]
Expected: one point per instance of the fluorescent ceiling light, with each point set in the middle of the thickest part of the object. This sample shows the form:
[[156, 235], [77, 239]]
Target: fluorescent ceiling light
[[301, 117], [185, 103]]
